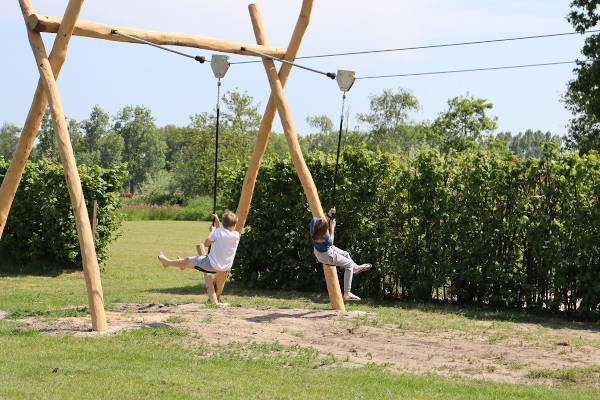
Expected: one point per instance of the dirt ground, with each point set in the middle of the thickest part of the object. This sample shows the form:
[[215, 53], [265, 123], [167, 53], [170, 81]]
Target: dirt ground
[[346, 335]]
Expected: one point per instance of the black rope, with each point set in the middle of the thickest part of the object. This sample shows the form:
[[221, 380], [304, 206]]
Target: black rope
[[337, 159], [216, 148], [216, 156]]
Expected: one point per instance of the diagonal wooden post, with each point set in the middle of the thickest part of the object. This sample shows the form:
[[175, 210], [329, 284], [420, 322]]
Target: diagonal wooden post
[[208, 278], [267, 122], [265, 130], [91, 270], [310, 190], [11, 180]]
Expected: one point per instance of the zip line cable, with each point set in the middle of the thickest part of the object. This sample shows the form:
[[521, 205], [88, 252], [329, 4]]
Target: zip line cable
[[469, 70], [258, 53], [434, 46], [200, 59]]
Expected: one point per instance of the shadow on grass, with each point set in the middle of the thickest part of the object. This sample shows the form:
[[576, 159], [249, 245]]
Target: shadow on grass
[[235, 289], [278, 315], [51, 270]]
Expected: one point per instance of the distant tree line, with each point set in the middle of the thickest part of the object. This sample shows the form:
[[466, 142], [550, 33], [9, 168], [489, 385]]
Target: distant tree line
[[162, 161]]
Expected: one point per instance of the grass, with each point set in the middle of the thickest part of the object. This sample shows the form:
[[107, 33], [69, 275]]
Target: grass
[[169, 362]]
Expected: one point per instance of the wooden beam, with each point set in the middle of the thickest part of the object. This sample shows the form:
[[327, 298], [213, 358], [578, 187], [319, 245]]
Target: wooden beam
[[208, 278], [266, 123], [310, 190], [45, 23], [91, 270], [11, 180]]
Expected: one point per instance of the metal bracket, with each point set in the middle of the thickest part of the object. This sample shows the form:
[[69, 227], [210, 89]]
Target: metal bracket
[[219, 64], [345, 79]]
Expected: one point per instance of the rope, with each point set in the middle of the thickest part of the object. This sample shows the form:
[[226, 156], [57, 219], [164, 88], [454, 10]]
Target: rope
[[200, 59], [337, 159], [216, 148], [258, 53]]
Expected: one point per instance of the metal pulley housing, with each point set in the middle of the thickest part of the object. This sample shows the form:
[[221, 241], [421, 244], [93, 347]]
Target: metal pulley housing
[[219, 64]]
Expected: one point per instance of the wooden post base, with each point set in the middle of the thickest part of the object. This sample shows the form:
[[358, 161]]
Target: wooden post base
[[208, 278]]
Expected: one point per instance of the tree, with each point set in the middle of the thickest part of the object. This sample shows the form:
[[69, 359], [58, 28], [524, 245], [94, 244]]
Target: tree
[[463, 124], [46, 146], [143, 150], [387, 119], [193, 151], [529, 144], [9, 137], [582, 98], [325, 138], [240, 122]]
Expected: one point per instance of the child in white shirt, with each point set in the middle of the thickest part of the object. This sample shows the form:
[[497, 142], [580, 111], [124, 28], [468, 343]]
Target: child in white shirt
[[224, 241]]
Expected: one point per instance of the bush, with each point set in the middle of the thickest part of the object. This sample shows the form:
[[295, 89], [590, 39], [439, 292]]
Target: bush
[[41, 227], [484, 226]]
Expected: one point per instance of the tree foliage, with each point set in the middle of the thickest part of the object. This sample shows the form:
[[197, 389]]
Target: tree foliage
[[529, 144], [143, 149], [464, 124], [9, 137], [582, 98], [481, 226], [387, 119]]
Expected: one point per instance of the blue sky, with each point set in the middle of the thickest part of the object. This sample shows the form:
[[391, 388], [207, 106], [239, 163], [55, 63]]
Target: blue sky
[[113, 75]]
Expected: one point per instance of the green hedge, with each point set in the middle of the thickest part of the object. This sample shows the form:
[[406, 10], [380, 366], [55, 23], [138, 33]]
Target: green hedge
[[41, 230], [482, 227]]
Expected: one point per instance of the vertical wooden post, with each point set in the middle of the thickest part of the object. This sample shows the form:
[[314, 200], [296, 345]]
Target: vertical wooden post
[[13, 175], [208, 279], [310, 190], [86, 243], [267, 122]]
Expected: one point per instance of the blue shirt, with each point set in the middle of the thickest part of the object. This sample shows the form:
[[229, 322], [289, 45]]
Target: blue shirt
[[323, 246]]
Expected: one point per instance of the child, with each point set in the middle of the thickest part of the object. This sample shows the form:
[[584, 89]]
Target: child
[[224, 245], [321, 232]]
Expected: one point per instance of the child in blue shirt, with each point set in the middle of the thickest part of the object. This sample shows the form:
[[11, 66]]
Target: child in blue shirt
[[322, 233]]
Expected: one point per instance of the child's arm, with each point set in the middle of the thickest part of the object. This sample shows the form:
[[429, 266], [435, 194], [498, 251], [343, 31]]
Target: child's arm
[[331, 228], [331, 217], [208, 242], [216, 221]]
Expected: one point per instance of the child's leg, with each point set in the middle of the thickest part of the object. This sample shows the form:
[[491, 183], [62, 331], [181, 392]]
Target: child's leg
[[179, 263], [341, 258]]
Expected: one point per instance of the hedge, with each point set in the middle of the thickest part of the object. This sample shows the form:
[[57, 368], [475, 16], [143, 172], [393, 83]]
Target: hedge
[[40, 228], [476, 227]]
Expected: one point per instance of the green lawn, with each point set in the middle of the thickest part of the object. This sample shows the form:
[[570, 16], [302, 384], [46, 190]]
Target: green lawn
[[166, 363]]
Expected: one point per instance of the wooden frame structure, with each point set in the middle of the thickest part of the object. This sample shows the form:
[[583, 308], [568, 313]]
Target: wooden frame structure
[[47, 94]]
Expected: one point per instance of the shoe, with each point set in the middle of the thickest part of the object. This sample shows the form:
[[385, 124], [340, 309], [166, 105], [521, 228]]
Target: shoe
[[351, 297], [362, 268]]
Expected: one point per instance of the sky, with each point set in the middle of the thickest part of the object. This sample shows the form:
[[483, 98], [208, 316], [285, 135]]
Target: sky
[[113, 75]]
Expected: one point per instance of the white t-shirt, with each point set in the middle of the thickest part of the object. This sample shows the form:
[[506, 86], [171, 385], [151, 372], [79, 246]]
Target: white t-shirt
[[223, 249]]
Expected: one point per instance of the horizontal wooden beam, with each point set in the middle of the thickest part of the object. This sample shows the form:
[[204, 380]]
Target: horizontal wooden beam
[[46, 23]]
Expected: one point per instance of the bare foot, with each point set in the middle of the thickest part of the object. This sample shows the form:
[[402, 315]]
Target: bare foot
[[164, 260]]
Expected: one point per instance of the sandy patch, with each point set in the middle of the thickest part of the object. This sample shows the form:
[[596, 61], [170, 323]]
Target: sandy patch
[[347, 335]]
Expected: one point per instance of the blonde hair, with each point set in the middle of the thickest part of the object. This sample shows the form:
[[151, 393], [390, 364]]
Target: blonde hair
[[229, 219]]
